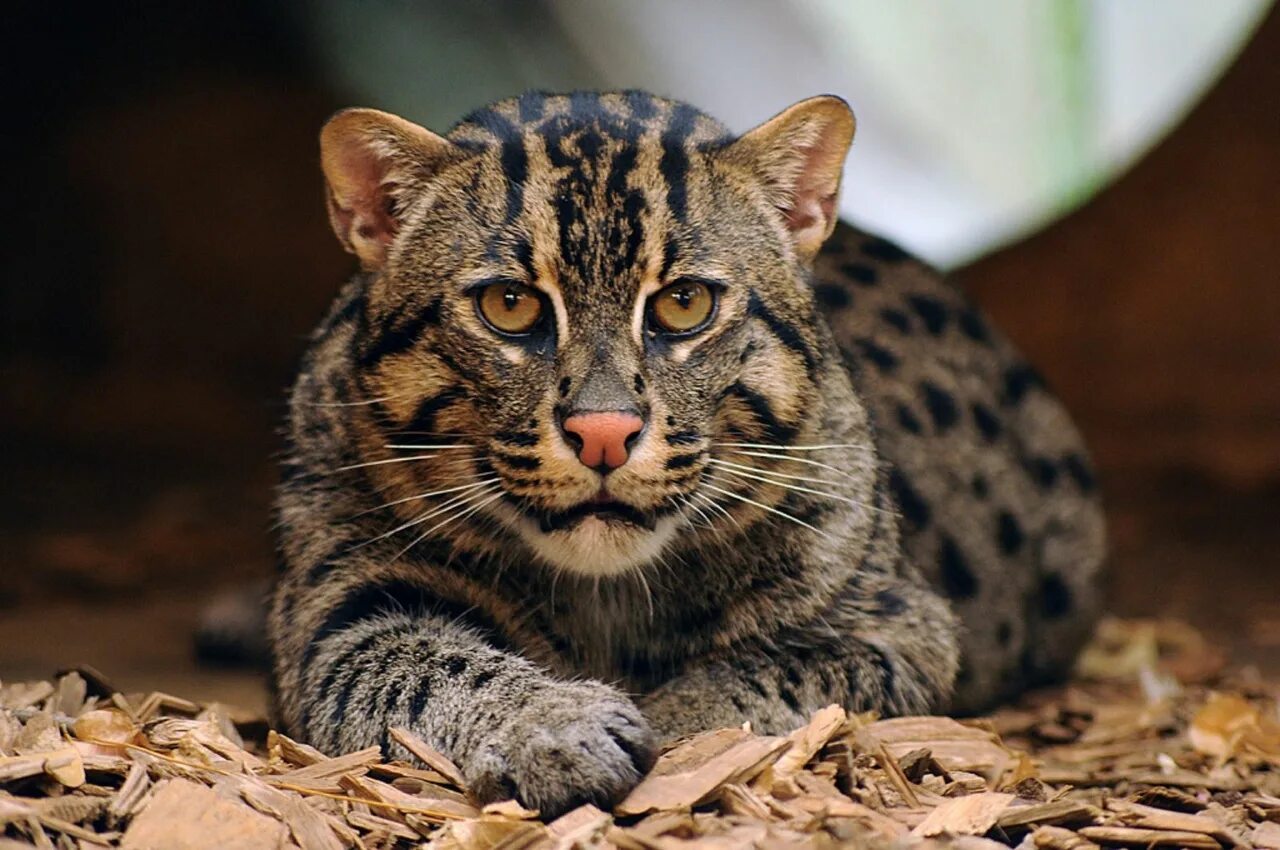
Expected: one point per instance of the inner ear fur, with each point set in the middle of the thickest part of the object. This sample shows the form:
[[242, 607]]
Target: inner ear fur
[[799, 155], [372, 161]]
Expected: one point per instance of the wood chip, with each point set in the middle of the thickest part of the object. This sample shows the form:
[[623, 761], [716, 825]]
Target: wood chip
[[972, 815], [428, 756], [184, 815], [1113, 763], [698, 778]]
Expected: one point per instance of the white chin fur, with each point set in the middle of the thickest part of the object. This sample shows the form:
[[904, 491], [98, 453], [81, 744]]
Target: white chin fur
[[594, 547]]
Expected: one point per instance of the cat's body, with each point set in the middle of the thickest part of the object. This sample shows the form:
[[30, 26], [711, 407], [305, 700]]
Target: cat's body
[[805, 484]]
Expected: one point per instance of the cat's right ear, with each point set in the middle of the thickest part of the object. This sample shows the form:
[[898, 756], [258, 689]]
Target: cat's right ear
[[373, 161]]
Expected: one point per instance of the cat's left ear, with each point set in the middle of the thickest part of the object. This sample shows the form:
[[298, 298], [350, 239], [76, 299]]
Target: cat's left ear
[[374, 163], [799, 154]]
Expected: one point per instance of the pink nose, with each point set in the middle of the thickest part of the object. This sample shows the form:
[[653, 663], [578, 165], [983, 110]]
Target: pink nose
[[604, 436]]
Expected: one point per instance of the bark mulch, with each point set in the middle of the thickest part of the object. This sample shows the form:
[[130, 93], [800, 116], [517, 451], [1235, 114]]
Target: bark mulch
[[1156, 743]]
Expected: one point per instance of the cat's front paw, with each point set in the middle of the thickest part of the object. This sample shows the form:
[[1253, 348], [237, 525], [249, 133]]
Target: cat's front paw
[[570, 744]]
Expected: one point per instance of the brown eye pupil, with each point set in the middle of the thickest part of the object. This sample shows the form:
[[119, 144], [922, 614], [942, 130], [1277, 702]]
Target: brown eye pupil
[[512, 309], [683, 308]]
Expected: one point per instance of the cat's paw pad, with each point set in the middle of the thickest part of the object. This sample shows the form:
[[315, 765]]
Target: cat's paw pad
[[574, 744]]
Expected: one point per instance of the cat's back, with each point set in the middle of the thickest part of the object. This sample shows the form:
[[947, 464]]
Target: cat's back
[[998, 500]]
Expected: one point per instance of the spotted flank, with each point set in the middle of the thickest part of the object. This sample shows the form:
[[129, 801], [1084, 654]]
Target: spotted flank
[[618, 434]]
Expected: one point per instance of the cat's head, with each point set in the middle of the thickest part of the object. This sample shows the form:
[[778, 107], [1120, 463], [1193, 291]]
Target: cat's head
[[575, 302]]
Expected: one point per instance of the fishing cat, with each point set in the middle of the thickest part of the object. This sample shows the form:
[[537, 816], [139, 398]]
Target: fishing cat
[[620, 435]]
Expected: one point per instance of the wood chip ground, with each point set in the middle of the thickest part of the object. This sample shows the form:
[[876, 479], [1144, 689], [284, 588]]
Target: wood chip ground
[[1157, 743]]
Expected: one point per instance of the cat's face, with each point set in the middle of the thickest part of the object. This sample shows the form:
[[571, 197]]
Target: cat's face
[[576, 301]]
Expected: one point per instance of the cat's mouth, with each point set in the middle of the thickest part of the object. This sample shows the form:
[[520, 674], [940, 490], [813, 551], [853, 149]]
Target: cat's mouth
[[608, 511]]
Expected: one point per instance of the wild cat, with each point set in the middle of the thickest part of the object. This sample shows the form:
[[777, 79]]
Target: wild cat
[[619, 435]]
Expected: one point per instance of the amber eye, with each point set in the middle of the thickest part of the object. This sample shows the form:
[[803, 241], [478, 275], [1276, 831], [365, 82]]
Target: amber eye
[[683, 307], [509, 308]]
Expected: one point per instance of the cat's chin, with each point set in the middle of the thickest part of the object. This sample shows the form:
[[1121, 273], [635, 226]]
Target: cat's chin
[[600, 544]]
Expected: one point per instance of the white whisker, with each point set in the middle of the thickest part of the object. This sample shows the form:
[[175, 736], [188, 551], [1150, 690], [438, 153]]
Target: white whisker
[[765, 507], [423, 447], [750, 468], [432, 494], [456, 501], [719, 507], [382, 462], [795, 487], [778, 447], [364, 403], [466, 513], [803, 460]]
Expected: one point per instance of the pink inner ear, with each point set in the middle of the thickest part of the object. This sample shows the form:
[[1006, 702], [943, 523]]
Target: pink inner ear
[[813, 196], [368, 205]]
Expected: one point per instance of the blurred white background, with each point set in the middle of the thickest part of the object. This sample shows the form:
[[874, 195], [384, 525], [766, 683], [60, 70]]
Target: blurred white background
[[979, 120]]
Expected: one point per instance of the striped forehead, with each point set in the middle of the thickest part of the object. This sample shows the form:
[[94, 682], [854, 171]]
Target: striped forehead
[[611, 170]]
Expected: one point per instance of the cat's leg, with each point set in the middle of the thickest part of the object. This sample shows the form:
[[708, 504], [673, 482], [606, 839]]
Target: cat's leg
[[513, 729], [887, 645]]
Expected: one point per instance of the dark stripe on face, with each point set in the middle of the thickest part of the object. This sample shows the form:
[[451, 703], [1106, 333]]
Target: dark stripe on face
[[763, 412], [682, 461], [518, 461], [627, 208], [683, 438], [640, 103], [674, 166], [512, 155], [670, 253], [424, 418], [531, 106], [396, 339], [517, 438], [786, 334]]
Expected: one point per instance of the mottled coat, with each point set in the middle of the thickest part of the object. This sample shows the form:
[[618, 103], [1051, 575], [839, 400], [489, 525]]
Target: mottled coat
[[848, 488]]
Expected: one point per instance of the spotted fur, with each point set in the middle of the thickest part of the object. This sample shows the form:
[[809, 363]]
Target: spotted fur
[[848, 488]]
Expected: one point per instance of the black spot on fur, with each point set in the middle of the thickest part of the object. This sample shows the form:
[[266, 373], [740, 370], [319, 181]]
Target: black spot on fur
[[483, 678], [1020, 380], [889, 603], [931, 311], [455, 664], [832, 295], [897, 318], [989, 425], [884, 359], [980, 487], [908, 420], [884, 250], [1043, 471], [1078, 468], [958, 580], [1009, 534], [940, 404], [639, 383], [914, 509], [565, 384], [973, 326], [671, 422], [1055, 596], [861, 273]]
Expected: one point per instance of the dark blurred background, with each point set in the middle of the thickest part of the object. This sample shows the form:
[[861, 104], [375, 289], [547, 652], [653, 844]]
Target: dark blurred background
[[168, 251]]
